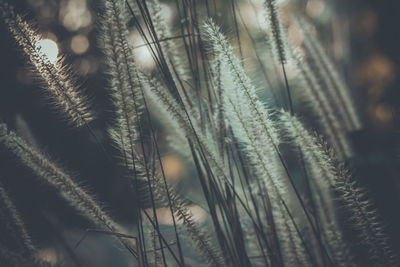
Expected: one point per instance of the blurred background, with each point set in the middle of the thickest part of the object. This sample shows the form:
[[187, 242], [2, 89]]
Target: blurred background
[[362, 37]]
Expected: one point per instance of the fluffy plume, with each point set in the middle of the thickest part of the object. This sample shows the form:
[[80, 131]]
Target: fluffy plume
[[327, 74], [219, 114], [364, 218], [54, 177], [249, 118], [200, 141], [176, 135], [16, 235], [59, 82], [198, 236], [124, 84], [315, 95], [169, 46], [275, 30], [232, 139], [325, 209], [167, 103]]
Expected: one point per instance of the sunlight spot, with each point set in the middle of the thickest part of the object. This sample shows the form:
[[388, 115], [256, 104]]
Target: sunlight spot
[[141, 53], [49, 49]]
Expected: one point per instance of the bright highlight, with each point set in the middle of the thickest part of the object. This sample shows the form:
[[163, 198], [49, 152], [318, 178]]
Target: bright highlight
[[49, 49]]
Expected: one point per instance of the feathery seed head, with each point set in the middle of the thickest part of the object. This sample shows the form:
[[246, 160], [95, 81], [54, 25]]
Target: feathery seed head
[[275, 30], [60, 84]]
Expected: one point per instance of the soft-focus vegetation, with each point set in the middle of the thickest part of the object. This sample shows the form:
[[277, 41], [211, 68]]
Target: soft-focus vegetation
[[225, 125]]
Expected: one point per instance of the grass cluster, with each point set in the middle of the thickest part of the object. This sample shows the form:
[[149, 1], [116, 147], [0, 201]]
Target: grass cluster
[[276, 193]]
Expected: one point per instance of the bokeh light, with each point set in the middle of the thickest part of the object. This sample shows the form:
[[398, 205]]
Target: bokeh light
[[48, 255], [79, 44], [383, 113], [315, 8], [74, 14], [172, 167]]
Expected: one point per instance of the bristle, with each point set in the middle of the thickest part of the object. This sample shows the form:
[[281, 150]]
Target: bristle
[[327, 73], [275, 30], [271, 190], [124, 85], [198, 236], [60, 84], [249, 117], [364, 218], [315, 96], [53, 176], [15, 228]]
